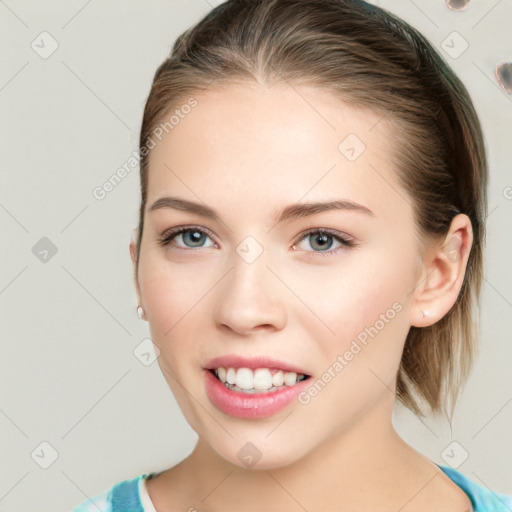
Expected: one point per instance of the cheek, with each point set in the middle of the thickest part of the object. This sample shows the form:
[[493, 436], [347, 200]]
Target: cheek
[[351, 294], [172, 295], [171, 292], [363, 309], [360, 361]]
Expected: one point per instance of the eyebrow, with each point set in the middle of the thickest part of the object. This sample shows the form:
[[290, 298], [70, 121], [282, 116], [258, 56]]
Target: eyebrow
[[293, 211]]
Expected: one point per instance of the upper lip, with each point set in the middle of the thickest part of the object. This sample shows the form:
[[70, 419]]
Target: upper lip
[[235, 361]]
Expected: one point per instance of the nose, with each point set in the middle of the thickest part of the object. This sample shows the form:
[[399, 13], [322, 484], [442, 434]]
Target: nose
[[250, 299]]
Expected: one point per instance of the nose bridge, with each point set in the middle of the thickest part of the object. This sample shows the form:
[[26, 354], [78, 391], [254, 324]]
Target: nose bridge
[[249, 276], [250, 268], [249, 297]]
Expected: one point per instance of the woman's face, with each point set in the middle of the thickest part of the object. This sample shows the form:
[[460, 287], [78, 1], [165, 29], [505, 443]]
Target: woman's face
[[252, 286]]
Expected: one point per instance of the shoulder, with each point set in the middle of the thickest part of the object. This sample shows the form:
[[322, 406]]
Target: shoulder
[[482, 498], [124, 496]]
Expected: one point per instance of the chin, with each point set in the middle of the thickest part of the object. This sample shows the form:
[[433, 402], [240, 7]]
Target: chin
[[259, 455]]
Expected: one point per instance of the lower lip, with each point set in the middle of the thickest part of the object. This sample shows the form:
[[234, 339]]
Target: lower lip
[[250, 405]]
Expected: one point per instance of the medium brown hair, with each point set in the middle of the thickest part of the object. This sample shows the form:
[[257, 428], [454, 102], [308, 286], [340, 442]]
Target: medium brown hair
[[369, 58]]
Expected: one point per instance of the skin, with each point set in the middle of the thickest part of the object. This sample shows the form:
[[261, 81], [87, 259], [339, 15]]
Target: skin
[[247, 151]]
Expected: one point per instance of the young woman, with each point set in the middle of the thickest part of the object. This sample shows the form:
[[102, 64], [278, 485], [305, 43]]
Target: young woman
[[313, 183]]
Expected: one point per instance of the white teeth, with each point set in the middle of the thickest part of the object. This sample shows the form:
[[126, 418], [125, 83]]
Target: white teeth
[[231, 376], [260, 379], [221, 373], [277, 378], [290, 378], [244, 378]]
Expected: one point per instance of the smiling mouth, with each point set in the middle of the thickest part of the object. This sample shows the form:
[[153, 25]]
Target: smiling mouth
[[261, 380]]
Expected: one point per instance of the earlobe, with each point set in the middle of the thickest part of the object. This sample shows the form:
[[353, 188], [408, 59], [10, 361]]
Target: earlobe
[[443, 274]]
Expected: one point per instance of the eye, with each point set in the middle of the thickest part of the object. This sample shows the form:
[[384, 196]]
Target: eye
[[321, 240], [192, 237]]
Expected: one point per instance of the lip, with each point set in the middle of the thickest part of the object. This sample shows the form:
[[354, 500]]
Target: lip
[[234, 361], [245, 405]]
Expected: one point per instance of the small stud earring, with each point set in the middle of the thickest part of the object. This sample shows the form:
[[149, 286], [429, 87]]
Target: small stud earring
[[425, 313], [140, 312]]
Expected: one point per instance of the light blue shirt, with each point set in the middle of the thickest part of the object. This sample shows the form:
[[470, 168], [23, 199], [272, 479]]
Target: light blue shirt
[[125, 496]]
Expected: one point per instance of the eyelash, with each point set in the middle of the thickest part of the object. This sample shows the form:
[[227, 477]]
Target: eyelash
[[168, 236]]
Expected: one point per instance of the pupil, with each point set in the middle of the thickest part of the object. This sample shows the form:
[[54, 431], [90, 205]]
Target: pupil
[[195, 236], [323, 241]]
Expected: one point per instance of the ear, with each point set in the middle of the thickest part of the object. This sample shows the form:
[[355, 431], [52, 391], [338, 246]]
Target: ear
[[442, 275], [133, 255]]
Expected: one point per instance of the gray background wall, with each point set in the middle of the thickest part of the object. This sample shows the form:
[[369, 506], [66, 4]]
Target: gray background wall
[[70, 377]]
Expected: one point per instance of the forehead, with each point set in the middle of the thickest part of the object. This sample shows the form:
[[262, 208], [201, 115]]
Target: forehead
[[243, 145]]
